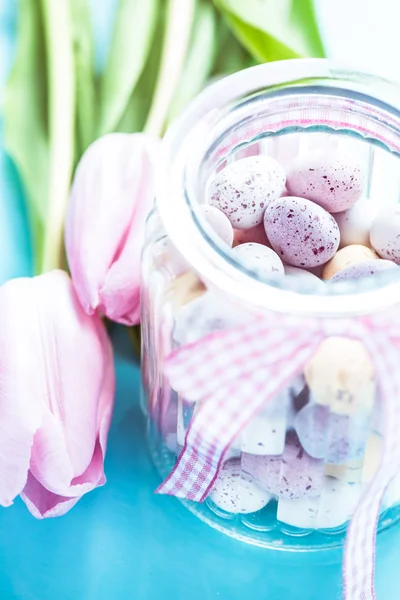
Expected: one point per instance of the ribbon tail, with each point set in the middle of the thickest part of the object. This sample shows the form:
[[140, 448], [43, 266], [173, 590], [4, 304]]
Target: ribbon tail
[[359, 561], [223, 415]]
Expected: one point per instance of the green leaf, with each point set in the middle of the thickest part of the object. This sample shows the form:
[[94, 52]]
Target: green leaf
[[131, 42], [199, 60], [137, 110], [231, 56], [25, 114], [179, 19], [61, 76], [272, 29], [86, 100]]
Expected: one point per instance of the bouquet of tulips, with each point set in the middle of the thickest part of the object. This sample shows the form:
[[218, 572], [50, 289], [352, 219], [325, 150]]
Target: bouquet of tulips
[[65, 123]]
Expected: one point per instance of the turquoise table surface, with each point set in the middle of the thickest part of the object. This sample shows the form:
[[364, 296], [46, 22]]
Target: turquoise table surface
[[122, 542]]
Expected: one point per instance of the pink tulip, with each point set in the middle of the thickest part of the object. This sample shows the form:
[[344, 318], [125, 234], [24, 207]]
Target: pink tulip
[[56, 395], [111, 197]]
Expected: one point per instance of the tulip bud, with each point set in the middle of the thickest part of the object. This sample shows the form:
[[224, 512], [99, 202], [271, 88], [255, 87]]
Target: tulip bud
[[111, 196], [56, 395]]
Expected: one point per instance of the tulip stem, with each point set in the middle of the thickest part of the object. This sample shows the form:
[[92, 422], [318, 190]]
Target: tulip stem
[[59, 43], [180, 14]]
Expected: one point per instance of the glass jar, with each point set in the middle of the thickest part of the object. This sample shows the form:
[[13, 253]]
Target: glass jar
[[293, 475]]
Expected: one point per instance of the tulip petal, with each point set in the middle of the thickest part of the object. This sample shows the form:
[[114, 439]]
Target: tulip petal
[[20, 407], [76, 384], [43, 504], [110, 199]]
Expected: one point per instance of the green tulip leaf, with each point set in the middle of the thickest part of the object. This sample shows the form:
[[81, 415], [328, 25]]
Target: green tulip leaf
[[132, 39], [86, 101], [25, 112], [274, 29], [199, 59]]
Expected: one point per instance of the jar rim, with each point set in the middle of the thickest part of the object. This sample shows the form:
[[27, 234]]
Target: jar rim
[[192, 235]]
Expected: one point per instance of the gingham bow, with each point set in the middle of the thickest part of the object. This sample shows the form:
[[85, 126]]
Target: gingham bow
[[236, 372]]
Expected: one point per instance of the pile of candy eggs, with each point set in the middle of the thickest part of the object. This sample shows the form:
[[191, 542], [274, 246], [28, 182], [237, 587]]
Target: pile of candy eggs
[[316, 446]]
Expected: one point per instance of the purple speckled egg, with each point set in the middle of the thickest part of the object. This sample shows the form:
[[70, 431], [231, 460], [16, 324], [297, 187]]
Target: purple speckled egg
[[332, 178], [244, 188], [365, 269], [294, 474], [302, 233], [259, 258], [329, 436], [385, 234]]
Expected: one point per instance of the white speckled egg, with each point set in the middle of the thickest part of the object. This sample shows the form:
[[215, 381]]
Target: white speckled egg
[[244, 188], [301, 232], [341, 375], [385, 234], [333, 178], [259, 258], [355, 223], [220, 223], [351, 255], [234, 494]]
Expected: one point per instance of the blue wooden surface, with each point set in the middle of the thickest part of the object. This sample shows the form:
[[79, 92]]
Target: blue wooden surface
[[122, 542]]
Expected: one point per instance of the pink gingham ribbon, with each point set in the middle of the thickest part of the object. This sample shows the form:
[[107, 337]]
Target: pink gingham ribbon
[[236, 372]]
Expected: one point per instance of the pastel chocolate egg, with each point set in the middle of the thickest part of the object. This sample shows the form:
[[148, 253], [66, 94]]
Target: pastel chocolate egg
[[333, 178], [341, 375], [265, 434], [244, 188], [205, 314], [184, 289], [255, 234], [301, 232], [385, 234], [364, 269], [292, 475], [333, 508], [335, 438], [363, 469], [220, 223], [355, 223], [259, 258], [233, 493], [301, 273], [351, 255]]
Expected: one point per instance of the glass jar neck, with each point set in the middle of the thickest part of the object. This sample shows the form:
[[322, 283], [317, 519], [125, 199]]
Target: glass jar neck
[[270, 100]]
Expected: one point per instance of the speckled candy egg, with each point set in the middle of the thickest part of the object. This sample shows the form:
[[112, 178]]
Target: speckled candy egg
[[332, 178], [293, 475], [219, 222], [233, 493], [385, 234], [301, 232], [301, 273], [244, 188], [351, 255], [364, 269], [335, 438], [259, 258], [355, 223]]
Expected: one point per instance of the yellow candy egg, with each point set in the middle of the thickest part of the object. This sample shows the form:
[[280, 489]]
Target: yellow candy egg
[[341, 375], [350, 255]]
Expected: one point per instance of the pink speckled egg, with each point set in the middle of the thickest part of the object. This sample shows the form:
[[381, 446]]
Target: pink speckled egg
[[259, 258], [244, 188], [219, 222], [364, 269], [333, 178], [385, 234], [302, 233]]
